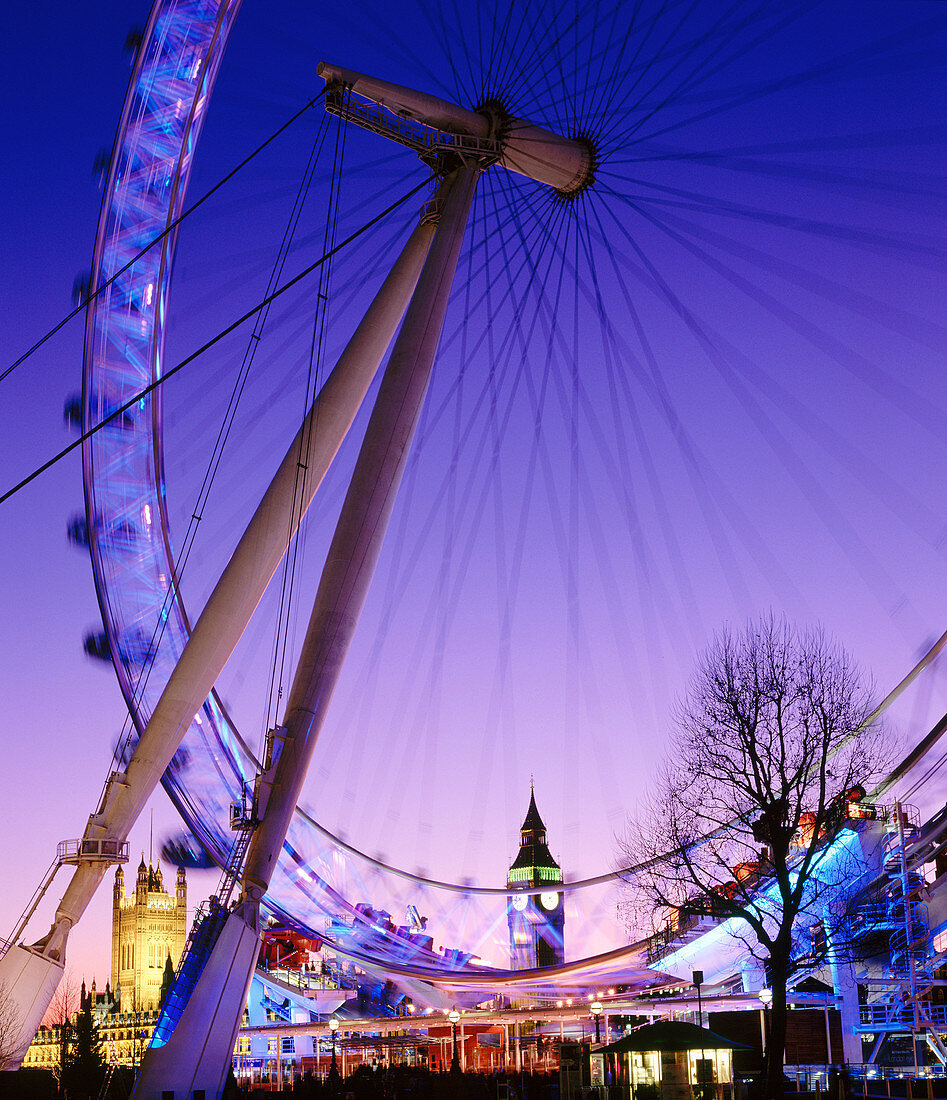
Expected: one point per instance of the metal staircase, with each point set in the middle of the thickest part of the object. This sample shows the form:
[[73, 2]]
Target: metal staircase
[[281, 1010], [905, 1004], [208, 923]]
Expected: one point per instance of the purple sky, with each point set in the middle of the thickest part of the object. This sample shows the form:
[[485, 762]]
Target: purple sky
[[765, 431]]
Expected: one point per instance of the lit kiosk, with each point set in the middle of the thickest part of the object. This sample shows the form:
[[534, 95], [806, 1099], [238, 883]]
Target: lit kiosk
[[536, 920], [672, 1060]]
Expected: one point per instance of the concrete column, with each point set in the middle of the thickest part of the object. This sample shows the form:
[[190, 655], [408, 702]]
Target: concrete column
[[845, 989]]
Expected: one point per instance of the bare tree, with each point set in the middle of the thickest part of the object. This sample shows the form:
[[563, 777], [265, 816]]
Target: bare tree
[[65, 1002], [62, 1009], [12, 1048], [771, 749]]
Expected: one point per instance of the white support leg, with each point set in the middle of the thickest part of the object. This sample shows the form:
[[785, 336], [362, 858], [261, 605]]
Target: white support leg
[[199, 1052], [29, 981], [225, 617], [360, 530], [201, 1047]]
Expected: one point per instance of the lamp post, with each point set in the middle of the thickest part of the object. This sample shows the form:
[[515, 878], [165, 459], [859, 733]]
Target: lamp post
[[597, 1009], [454, 1016], [334, 1067], [766, 999], [698, 978]]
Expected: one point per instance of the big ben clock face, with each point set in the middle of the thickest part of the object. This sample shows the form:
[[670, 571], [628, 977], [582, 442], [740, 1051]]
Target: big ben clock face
[[549, 901], [519, 902]]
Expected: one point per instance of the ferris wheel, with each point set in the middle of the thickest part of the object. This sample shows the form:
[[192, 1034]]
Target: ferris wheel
[[688, 370], [581, 278], [127, 513]]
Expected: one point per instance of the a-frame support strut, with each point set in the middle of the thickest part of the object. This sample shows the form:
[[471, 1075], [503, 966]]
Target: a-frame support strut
[[30, 974], [199, 1052], [475, 139]]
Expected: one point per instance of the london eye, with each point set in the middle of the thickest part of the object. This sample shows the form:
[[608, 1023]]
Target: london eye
[[692, 376], [571, 354]]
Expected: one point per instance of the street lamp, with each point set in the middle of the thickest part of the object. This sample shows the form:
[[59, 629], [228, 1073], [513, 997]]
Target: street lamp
[[334, 1028], [596, 1009], [698, 977], [766, 999], [454, 1016]]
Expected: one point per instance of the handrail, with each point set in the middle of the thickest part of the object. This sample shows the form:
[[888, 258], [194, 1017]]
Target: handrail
[[107, 849]]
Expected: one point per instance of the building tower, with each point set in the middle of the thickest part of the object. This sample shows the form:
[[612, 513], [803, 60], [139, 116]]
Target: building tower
[[147, 926], [536, 921]]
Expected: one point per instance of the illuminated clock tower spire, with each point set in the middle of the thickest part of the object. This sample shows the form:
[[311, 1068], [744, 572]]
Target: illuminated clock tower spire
[[536, 921]]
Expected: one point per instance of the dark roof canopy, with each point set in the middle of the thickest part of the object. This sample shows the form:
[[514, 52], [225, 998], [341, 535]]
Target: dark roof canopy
[[672, 1035]]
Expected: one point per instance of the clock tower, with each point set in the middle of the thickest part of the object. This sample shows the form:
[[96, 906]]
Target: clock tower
[[536, 920]]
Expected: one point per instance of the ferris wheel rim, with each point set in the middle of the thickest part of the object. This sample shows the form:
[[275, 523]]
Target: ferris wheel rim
[[240, 758], [247, 759]]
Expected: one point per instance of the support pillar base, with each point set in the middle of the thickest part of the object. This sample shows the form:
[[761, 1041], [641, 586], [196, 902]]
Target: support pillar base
[[200, 1051], [28, 981]]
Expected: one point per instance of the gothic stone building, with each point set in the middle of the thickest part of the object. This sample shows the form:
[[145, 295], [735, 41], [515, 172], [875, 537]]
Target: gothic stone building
[[147, 927]]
